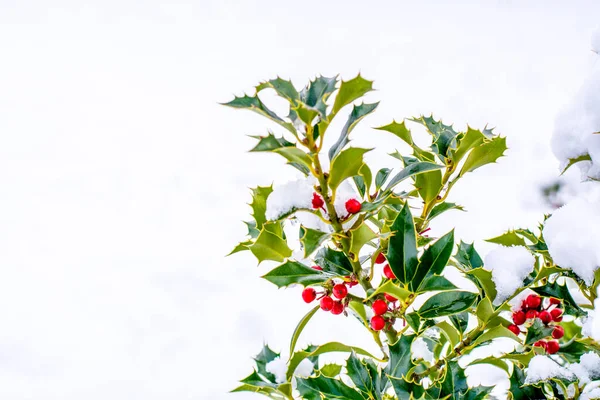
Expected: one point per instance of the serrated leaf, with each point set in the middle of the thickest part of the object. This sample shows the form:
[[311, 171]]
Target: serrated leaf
[[398, 129], [492, 361], [345, 165], [471, 139], [269, 246], [468, 256], [400, 357], [282, 87], [444, 136], [381, 177], [253, 103], [312, 239], [292, 272], [435, 283], [509, 238], [402, 247], [411, 170], [554, 289], [300, 328], [323, 387], [573, 161], [537, 331], [265, 356], [455, 381], [362, 374], [483, 278], [331, 370], [315, 95], [351, 90], [519, 391], [434, 259], [390, 287], [333, 261], [270, 143], [446, 303], [325, 348], [359, 237], [483, 154], [242, 246], [357, 114], [296, 157], [443, 207], [429, 185], [460, 321], [259, 204]]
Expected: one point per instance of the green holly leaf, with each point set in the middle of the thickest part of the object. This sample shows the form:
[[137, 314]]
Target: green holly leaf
[[494, 333], [331, 347], [509, 238], [293, 272], [573, 161], [478, 392], [270, 143], [485, 311], [450, 332], [434, 259], [443, 207], [381, 177], [469, 140], [413, 169], [300, 328], [363, 374], [242, 246], [468, 256], [282, 87], [455, 381], [444, 136], [402, 247], [496, 362], [413, 320], [408, 390], [259, 205], [359, 237], [460, 321], [400, 130], [265, 356], [486, 153], [446, 303], [391, 288], [537, 331], [400, 357], [429, 185], [519, 391], [351, 90], [483, 279], [269, 246], [312, 239], [315, 95], [254, 379], [435, 283], [323, 387], [334, 262], [255, 104], [357, 114], [345, 165], [331, 370], [553, 289], [296, 157]]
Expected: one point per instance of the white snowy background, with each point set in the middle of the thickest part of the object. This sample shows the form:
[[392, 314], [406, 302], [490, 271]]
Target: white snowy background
[[123, 182]]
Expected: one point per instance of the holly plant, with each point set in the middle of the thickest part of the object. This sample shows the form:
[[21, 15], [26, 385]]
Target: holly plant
[[362, 248]]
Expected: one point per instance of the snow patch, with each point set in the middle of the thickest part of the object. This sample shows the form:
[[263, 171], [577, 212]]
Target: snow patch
[[509, 267], [542, 368], [288, 197], [420, 350], [587, 369]]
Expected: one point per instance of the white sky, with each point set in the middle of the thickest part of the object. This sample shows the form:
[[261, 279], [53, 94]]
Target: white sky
[[124, 182]]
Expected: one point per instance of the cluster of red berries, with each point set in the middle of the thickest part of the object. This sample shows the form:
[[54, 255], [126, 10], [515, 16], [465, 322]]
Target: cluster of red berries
[[352, 206], [333, 298], [533, 308], [387, 271], [380, 307]]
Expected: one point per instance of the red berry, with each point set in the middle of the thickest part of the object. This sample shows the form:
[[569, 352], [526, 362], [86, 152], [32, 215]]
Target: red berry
[[309, 295], [377, 323], [556, 314], [554, 300], [552, 347], [380, 259], [545, 316], [519, 317], [379, 307], [353, 206], [390, 298], [531, 314], [558, 332], [514, 329], [533, 301], [326, 303], [317, 268], [317, 201], [340, 291], [540, 343], [352, 283], [387, 271], [337, 308]]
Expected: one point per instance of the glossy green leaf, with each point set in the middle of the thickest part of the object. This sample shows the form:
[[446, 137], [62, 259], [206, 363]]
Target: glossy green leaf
[[295, 156], [460, 321], [269, 246], [554, 289], [259, 204], [398, 129], [408, 390], [293, 272], [494, 333], [390, 287], [300, 327], [345, 165], [451, 333], [518, 390], [446, 303], [483, 278], [359, 237], [472, 138], [331, 370], [357, 114], [485, 311], [363, 374], [413, 320], [282, 87], [242, 246], [509, 238], [411, 170], [333, 261], [312, 239], [492, 361], [255, 104], [455, 381], [402, 247], [483, 154], [538, 331], [351, 90], [315, 95], [381, 177], [400, 357], [468, 256], [429, 185], [330, 347], [435, 283], [265, 356], [270, 143], [443, 207], [323, 387], [444, 136], [434, 259]]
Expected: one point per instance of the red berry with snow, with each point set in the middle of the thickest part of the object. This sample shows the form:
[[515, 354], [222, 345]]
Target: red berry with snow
[[531, 314], [545, 316], [377, 323], [558, 332], [317, 201], [353, 206], [556, 314], [519, 317], [309, 295], [317, 268], [540, 343], [514, 329], [337, 308], [380, 259], [554, 300], [533, 301], [326, 303], [340, 291], [390, 298], [379, 307], [552, 347], [387, 271]]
